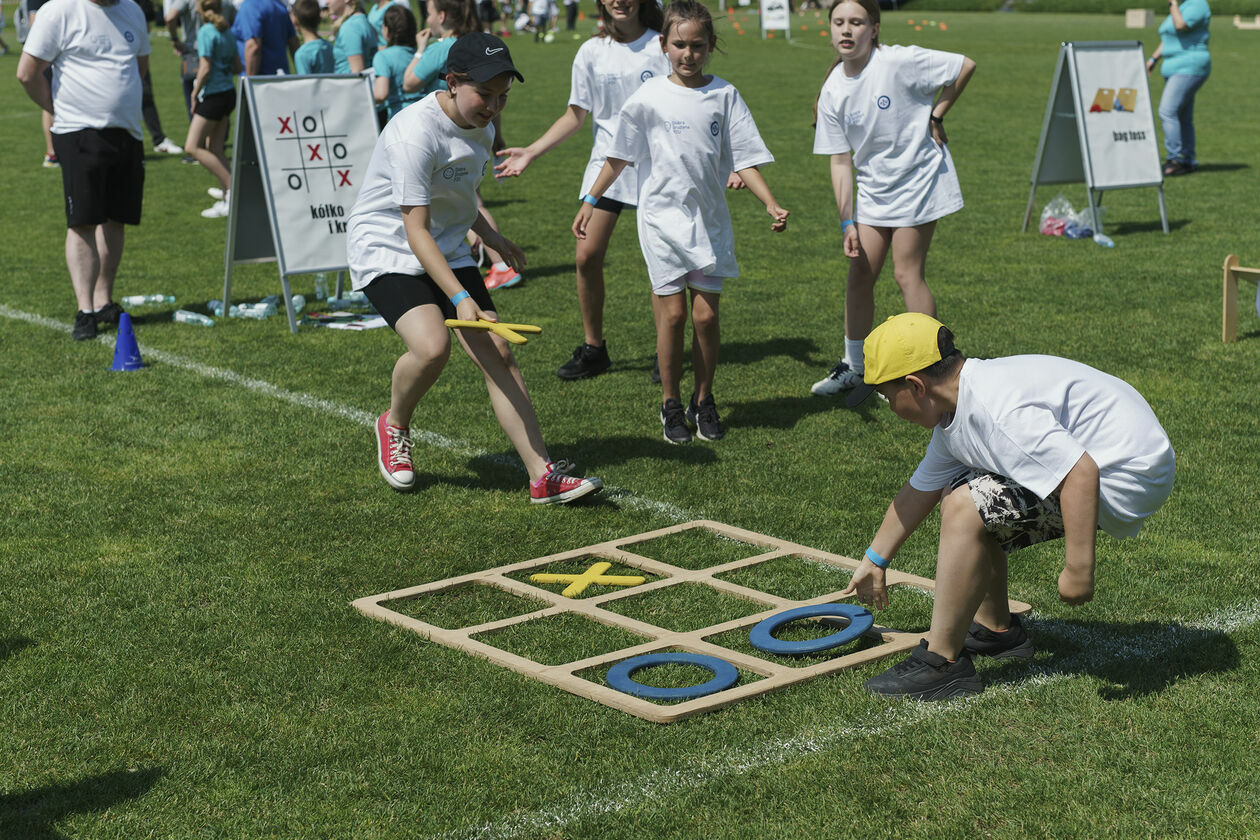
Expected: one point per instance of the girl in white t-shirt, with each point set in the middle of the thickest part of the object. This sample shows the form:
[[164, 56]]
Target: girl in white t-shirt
[[881, 111], [406, 251], [606, 70], [684, 134]]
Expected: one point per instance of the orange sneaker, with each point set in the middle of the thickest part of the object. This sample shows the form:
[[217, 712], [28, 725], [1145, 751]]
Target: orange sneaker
[[502, 278]]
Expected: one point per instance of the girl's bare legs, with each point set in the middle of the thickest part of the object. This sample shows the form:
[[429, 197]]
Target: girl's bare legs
[[201, 130], [509, 397], [859, 294], [670, 312], [428, 347], [590, 274], [909, 252], [706, 339]]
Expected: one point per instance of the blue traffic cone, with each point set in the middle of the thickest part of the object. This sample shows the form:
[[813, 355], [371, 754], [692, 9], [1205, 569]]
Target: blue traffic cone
[[126, 350]]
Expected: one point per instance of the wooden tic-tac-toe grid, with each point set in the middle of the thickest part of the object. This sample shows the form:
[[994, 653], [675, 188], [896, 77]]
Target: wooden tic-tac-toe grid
[[774, 676]]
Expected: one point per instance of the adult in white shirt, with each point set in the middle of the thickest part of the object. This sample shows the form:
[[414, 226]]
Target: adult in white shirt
[[1024, 449], [98, 51], [881, 111], [606, 71]]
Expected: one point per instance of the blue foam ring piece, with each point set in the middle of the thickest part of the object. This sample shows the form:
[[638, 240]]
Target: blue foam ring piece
[[762, 638], [725, 675]]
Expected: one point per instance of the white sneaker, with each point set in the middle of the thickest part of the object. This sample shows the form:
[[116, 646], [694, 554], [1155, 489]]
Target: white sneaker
[[167, 146], [215, 211], [839, 379], [215, 193]]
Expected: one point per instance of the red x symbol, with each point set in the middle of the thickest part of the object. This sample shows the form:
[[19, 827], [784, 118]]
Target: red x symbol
[[345, 178], [285, 128], [314, 151]]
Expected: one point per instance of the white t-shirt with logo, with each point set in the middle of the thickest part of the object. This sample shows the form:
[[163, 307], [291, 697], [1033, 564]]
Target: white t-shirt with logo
[[605, 73], [93, 51], [1030, 418], [422, 158], [882, 116], [684, 142]]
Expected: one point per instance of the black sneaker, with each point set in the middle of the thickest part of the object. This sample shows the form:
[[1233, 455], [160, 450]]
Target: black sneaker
[[656, 369], [109, 314], [927, 676], [84, 326], [1007, 644], [705, 418], [674, 419], [587, 361]]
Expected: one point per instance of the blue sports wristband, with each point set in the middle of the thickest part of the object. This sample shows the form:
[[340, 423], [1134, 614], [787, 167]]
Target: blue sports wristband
[[590, 199], [845, 225], [458, 296], [875, 558]]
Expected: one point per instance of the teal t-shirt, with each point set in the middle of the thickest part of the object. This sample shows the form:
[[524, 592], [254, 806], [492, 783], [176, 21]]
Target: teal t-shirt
[[220, 48], [1187, 52], [355, 37], [314, 57], [391, 63], [376, 15], [431, 68]]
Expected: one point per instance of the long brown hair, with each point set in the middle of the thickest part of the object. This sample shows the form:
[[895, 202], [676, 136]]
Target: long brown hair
[[211, 12], [650, 16], [461, 16], [871, 7]]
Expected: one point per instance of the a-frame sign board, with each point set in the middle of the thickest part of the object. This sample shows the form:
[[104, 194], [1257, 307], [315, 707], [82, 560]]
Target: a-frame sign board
[[775, 14], [300, 147], [1099, 125]]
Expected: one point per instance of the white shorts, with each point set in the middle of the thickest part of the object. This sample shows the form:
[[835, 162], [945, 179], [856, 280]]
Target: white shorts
[[694, 279]]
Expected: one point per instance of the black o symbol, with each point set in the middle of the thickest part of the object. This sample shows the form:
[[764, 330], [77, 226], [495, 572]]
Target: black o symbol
[[295, 181], [309, 124], [339, 150]]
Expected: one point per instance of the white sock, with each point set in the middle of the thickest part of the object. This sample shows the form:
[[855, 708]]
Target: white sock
[[500, 266], [854, 355]]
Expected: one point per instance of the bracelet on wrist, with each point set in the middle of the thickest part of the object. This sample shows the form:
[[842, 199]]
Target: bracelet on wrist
[[936, 119], [459, 296], [875, 558], [845, 224], [590, 199]]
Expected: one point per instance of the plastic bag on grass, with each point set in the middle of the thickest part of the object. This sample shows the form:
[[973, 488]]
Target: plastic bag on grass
[[1056, 215]]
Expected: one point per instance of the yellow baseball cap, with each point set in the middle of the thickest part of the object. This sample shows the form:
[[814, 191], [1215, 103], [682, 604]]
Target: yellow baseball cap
[[903, 344]]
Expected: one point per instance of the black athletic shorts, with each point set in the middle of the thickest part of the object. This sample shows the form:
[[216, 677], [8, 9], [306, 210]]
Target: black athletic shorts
[[394, 295], [612, 205], [216, 106], [102, 174]]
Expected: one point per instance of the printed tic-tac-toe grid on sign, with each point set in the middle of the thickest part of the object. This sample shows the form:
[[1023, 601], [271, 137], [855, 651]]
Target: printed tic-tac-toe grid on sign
[[733, 577]]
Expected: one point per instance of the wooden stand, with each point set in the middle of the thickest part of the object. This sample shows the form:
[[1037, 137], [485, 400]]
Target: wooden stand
[[1238, 23], [773, 675], [1139, 19], [1229, 304]]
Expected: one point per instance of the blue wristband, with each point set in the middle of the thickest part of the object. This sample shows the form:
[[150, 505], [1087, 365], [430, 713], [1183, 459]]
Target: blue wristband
[[875, 558], [458, 296], [845, 225], [590, 199]]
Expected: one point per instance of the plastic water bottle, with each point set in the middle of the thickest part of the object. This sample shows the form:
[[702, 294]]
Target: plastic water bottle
[[321, 286], [141, 300], [258, 311], [186, 317], [299, 302], [1104, 240]]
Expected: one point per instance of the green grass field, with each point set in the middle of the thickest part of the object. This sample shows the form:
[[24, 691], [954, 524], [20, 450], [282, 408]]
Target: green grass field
[[179, 546]]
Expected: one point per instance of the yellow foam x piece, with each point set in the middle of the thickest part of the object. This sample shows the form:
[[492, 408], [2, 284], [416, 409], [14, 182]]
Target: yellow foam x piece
[[511, 332], [595, 574]]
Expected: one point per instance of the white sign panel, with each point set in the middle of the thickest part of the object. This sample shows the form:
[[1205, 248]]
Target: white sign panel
[[775, 15]]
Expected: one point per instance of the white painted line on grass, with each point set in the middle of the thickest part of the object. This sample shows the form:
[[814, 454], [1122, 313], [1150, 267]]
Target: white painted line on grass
[[1099, 650], [355, 415]]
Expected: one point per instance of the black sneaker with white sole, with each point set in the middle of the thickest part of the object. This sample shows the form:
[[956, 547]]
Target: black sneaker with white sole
[[1012, 643], [674, 421], [587, 361], [84, 326], [927, 676], [704, 416]]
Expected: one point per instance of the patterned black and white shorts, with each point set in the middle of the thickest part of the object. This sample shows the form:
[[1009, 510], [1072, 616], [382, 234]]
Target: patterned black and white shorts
[[1012, 514]]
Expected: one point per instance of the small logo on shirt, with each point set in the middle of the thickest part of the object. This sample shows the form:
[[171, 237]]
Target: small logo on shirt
[[884, 103], [454, 173], [495, 50], [645, 75], [129, 36], [714, 128], [676, 126]]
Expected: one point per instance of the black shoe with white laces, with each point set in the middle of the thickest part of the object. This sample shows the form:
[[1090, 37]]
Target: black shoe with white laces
[[587, 361], [704, 416], [1012, 643], [674, 420], [926, 676]]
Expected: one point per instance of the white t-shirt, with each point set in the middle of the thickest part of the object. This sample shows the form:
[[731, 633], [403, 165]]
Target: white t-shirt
[[1030, 418], [684, 143], [882, 117], [605, 73], [422, 158], [93, 51]]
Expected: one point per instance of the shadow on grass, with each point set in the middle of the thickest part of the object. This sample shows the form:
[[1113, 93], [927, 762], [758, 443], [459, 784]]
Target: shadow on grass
[[13, 646], [1150, 226], [802, 350], [786, 412], [1222, 167], [1134, 660], [31, 814]]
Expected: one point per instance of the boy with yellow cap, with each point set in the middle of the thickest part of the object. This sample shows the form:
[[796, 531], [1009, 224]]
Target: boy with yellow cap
[[1024, 449]]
